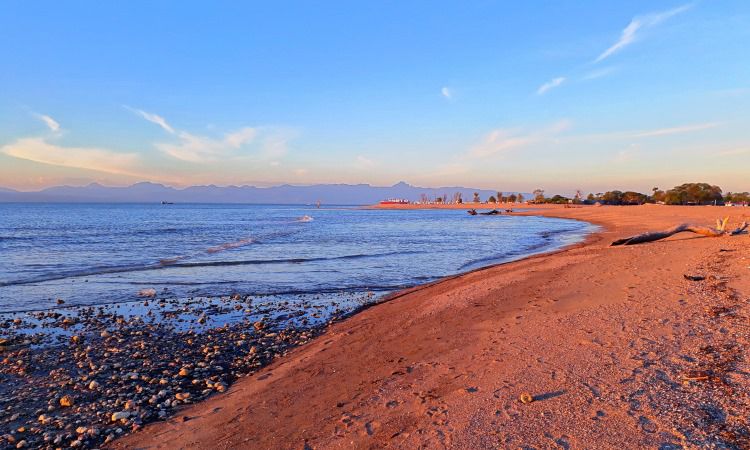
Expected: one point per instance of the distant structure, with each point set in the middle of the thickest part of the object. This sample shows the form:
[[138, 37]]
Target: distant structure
[[394, 201]]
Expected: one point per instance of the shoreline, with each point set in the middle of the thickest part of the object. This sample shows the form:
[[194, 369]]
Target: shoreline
[[263, 430], [84, 332]]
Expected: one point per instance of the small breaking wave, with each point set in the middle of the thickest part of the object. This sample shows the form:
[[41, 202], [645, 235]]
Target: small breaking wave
[[230, 245], [167, 264]]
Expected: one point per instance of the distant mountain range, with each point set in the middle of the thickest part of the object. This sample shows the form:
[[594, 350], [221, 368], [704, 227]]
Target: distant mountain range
[[336, 194]]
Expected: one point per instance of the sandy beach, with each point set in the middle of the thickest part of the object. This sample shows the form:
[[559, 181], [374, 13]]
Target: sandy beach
[[616, 345]]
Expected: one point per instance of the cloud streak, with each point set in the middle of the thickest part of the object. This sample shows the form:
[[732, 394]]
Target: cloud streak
[[49, 121], [638, 23], [500, 141], [555, 82], [193, 148], [200, 149], [675, 130], [153, 118], [446, 92], [39, 150]]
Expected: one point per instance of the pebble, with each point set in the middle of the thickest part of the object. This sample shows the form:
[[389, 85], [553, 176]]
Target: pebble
[[121, 415], [87, 375]]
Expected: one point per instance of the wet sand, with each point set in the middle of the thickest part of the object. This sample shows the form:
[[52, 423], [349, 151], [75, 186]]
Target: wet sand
[[617, 347]]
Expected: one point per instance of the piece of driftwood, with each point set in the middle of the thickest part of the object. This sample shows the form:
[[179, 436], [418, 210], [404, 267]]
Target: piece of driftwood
[[694, 277], [720, 230]]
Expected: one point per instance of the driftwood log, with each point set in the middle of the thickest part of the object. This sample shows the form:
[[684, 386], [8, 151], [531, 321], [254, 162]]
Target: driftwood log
[[703, 231]]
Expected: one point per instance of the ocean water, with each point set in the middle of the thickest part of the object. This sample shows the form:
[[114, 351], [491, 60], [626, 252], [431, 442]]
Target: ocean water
[[91, 254]]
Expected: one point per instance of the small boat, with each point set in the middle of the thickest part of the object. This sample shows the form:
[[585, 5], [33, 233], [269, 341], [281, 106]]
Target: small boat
[[167, 203], [472, 212]]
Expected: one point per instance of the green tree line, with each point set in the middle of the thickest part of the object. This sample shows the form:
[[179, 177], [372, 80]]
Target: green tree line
[[684, 194]]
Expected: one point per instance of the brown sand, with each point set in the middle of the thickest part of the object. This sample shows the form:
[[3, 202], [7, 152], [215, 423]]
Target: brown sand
[[603, 338]]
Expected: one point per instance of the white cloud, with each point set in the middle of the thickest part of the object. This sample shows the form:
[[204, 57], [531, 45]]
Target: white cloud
[[675, 130], [49, 121], [153, 118], [550, 85], [499, 141], [446, 92], [594, 74], [241, 137], [365, 162], [200, 149], [39, 150], [630, 33]]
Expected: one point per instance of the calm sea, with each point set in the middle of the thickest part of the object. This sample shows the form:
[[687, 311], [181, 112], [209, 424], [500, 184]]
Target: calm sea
[[100, 253]]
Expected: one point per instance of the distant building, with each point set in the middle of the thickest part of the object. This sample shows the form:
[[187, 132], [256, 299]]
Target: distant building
[[394, 201]]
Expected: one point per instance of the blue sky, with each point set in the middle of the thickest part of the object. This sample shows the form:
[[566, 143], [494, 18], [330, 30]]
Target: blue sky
[[501, 95]]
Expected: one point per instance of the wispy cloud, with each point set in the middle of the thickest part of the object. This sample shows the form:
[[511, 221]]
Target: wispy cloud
[[365, 162], [550, 85], [49, 121], [240, 137], [446, 92], [630, 33], [153, 118], [642, 134], [499, 141], [599, 73], [199, 149], [40, 150], [675, 130]]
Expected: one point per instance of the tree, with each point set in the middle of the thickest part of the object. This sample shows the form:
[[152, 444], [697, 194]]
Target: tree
[[737, 197], [612, 197], [633, 198], [476, 197], [538, 195], [694, 194], [500, 197], [492, 199], [520, 197], [512, 198], [590, 198], [559, 199]]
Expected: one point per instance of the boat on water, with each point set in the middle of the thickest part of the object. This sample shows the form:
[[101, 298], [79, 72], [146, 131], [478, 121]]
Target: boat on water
[[167, 203]]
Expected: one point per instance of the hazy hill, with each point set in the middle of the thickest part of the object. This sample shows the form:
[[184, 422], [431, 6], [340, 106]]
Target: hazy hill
[[341, 194]]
